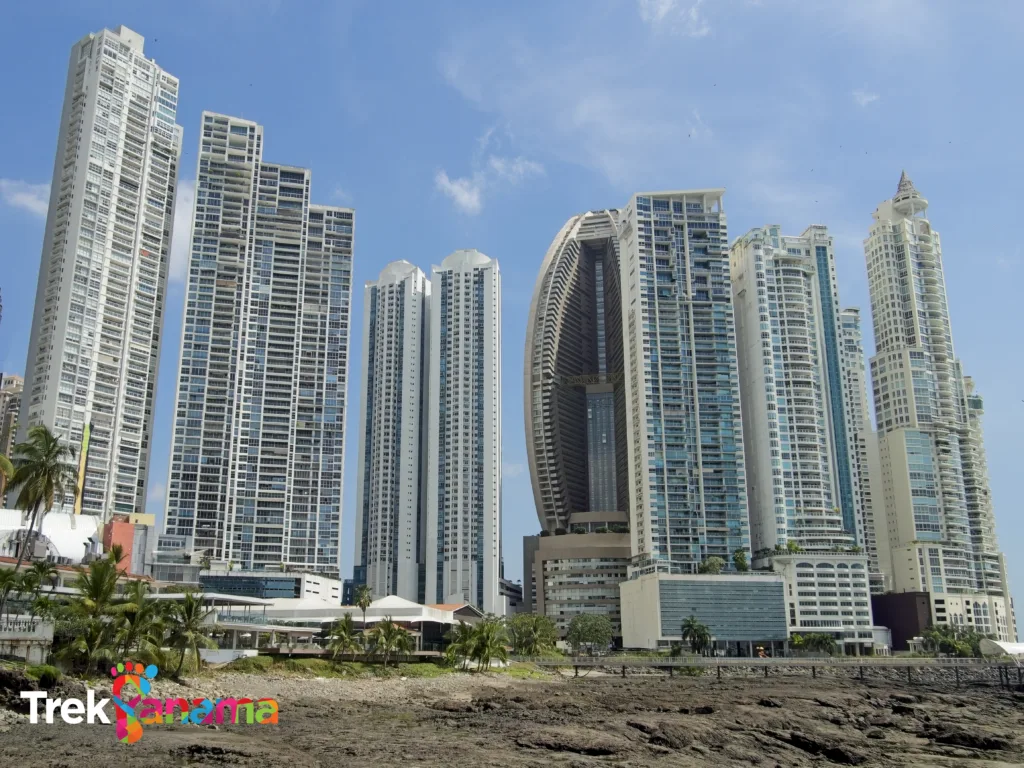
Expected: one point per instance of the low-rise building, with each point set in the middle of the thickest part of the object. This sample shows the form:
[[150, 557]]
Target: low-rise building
[[829, 593], [572, 573], [269, 585], [511, 595], [742, 611]]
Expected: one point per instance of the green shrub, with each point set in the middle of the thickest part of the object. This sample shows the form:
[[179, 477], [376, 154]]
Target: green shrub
[[250, 664], [46, 675]]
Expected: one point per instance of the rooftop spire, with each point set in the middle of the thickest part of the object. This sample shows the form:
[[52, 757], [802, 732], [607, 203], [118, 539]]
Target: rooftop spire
[[905, 185]]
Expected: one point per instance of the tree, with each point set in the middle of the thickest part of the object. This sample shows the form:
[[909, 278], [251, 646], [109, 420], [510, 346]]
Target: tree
[[489, 643], [589, 630], [856, 549], [343, 638], [28, 587], [697, 634], [91, 646], [363, 599], [8, 583], [821, 642], [793, 548], [739, 559], [460, 645], [43, 473], [116, 554], [955, 641], [47, 573], [97, 588], [387, 638], [712, 565], [188, 628], [530, 634], [139, 624]]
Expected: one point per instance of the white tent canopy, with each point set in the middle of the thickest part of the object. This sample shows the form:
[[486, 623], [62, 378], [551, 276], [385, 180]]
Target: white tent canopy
[[1000, 648]]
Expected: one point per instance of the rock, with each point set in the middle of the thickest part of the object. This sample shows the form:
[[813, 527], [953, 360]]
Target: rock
[[960, 738], [816, 746], [643, 727], [565, 740], [672, 736], [904, 698], [903, 709], [874, 733], [707, 709], [771, 703]]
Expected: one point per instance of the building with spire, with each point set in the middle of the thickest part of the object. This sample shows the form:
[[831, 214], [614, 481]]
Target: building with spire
[[938, 519]]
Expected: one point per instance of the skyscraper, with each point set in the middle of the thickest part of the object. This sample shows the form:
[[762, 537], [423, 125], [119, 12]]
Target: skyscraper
[[794, 424], [939, 520], [687, 485], [576, 425], [390, 524], [863, 441], [463, 532], [95, 340], [256, 465], [11, 388]]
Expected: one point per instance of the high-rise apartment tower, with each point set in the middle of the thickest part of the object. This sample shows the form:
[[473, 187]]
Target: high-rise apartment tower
[[390, 523], [938, 519], [463, 509], [256, 464], [95, 341]]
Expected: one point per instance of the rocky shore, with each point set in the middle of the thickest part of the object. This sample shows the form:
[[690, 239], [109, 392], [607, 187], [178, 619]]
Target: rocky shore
[[596, 720]]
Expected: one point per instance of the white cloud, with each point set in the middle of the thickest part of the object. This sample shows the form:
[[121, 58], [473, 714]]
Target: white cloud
[[34, 198], [514, 170], [510, 470], [488, 173], [678, 16], [464, 192], [181, 234], [155, 498], [864, 97]]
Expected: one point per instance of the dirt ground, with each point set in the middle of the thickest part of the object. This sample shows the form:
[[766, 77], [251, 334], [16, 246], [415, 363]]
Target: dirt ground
[[495, 720]]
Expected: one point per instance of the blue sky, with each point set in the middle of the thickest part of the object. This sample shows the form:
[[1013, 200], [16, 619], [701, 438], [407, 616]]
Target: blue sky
[[461, 125]]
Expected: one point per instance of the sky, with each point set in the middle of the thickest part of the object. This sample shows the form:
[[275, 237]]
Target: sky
[[452, 125]]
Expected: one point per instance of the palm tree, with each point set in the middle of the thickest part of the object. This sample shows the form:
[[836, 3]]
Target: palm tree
[[460, 644], [97, 588], [8, 583], [188, 628], [29, 584], [139, 623], [696, 634], [47, 573], [387, 637], [6, 473], [116, 553], [90, 647], [363, 600], [793, 548], [343, 638], [739, 559], [821, 642], [43, 473], [488, 643]]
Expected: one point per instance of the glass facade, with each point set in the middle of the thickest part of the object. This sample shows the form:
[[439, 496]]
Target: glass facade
[[688, 489]]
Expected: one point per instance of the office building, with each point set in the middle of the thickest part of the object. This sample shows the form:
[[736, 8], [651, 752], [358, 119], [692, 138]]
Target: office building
[[687, 488], [742, 611], [11, 388], [256, 464], [95, 341], [463, 510], [271, 585], [939, 522], [576, 426], [390, 524]]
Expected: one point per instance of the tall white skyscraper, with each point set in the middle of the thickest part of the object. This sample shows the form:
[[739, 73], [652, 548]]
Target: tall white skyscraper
[[390, 524], [95, 341], [938, 511], [463, 536], [863, 441], [256, 464], [687, 493], [794, 425]]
